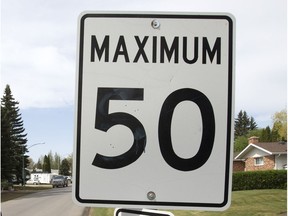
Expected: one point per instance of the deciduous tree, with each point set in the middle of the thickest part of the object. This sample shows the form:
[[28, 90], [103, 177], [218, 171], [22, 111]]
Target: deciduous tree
[[280, 124]]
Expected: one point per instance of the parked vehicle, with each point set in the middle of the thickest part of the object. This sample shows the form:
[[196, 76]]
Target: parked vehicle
[[59, 180], [43, 178], [69, 178], [33, 181]]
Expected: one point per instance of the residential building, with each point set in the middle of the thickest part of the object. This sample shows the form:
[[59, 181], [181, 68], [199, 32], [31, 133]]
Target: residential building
[[261, 156]]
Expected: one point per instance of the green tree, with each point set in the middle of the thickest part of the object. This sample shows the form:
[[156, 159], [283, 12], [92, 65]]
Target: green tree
[[252, 124], [46, 165], [280, 125], [275, 135], [70, 161], [64, 168], [7, 165], [240, 128], [244, 124], [13, 138], [57, 161], [242, 141], [51, 158], [32, 164], [39, 164], [266, 135]]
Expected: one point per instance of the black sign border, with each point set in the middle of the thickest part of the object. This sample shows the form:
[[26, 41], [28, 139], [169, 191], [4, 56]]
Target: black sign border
[[229, 108], [139, 212]]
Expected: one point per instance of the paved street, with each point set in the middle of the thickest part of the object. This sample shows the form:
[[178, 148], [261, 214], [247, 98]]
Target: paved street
[[56, 201]]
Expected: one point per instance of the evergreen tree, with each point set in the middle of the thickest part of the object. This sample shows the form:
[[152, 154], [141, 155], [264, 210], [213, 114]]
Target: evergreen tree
[[266, 135], [39, 164], [7, 162], [46, 165], [238, 124], [244, 124], [64, 168], [13, 139], [253, 124], [32, 164], [51, 158], [269, 135]]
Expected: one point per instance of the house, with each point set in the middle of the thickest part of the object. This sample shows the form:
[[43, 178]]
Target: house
[[261, 156]]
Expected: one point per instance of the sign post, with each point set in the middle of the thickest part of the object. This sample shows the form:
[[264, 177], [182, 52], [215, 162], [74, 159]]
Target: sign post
[[140, 212], [154, 124]]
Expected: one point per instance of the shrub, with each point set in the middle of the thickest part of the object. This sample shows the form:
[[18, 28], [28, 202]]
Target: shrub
[[271, 179], [6, 185]]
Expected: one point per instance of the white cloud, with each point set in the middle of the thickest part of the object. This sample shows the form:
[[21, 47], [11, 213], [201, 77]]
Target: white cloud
[[38, 55], [42, 77], [261, 63], [39, 48]]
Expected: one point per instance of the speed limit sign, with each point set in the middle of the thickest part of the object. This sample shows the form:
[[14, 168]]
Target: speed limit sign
[[154, 110]]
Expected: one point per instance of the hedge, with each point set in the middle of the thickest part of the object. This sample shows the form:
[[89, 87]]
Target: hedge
[[250, 180]]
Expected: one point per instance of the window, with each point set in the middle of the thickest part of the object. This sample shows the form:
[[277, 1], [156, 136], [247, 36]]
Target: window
[[258, 161]]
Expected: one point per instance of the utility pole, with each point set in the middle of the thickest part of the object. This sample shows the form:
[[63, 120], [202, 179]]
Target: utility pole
[[23, 164]]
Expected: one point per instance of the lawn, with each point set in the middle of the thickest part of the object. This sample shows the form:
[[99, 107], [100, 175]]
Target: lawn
[[244, 203], [20, 191]]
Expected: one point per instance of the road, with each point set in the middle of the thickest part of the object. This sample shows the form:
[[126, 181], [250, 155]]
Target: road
[[56, 201]]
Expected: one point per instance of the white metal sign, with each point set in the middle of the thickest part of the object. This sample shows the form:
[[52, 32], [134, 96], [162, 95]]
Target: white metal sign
[[154, 110]]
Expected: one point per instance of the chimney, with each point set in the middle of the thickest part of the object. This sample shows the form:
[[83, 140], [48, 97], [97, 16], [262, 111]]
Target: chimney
[[253, 140]]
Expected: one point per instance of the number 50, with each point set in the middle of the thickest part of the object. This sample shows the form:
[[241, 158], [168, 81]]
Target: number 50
[[105, 120]]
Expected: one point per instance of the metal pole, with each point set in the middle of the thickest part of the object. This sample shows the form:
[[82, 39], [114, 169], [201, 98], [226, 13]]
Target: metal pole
[[23, 167]]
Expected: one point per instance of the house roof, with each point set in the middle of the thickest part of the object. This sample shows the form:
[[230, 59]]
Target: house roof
[[270, 148], [274, 147]]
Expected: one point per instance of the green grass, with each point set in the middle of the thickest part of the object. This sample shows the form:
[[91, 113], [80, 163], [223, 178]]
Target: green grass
[[33, 187], [101, 211], [244, 203]]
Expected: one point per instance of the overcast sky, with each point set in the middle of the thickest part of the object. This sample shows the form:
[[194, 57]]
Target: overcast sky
[[38, 59]]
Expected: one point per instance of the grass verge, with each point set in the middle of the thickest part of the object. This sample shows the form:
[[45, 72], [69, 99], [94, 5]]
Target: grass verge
[[250, 202], [19, 191]]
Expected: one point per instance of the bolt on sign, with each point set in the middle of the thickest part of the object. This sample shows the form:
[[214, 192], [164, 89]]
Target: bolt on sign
[[154, 110]]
